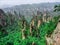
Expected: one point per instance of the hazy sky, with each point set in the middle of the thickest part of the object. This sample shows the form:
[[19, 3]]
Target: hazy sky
[[18, 2]]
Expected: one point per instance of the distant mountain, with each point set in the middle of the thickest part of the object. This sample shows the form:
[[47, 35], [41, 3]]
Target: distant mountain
[[5, 6], [29, 9]]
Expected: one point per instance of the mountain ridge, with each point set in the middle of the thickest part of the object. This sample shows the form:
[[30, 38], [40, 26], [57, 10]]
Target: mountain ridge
[[29, 9]]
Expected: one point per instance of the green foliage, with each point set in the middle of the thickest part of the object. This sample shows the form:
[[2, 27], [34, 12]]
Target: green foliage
[[14, 37], [14, 30]]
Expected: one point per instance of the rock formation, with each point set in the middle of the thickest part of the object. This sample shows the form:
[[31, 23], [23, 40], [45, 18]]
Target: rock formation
[[55, 37], [2, 18]]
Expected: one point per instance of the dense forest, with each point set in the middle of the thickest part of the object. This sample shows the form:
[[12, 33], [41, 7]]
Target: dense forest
[[16, 30]]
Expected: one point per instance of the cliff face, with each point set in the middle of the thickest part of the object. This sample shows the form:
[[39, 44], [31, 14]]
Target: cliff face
[[55, 37], [2, 18]]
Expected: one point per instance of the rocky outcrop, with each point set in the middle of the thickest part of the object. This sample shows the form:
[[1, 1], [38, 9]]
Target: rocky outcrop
[[2, 18], [55, 37]]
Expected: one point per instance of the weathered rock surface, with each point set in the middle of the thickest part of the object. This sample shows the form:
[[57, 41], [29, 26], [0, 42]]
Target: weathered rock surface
[[55, 37]]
